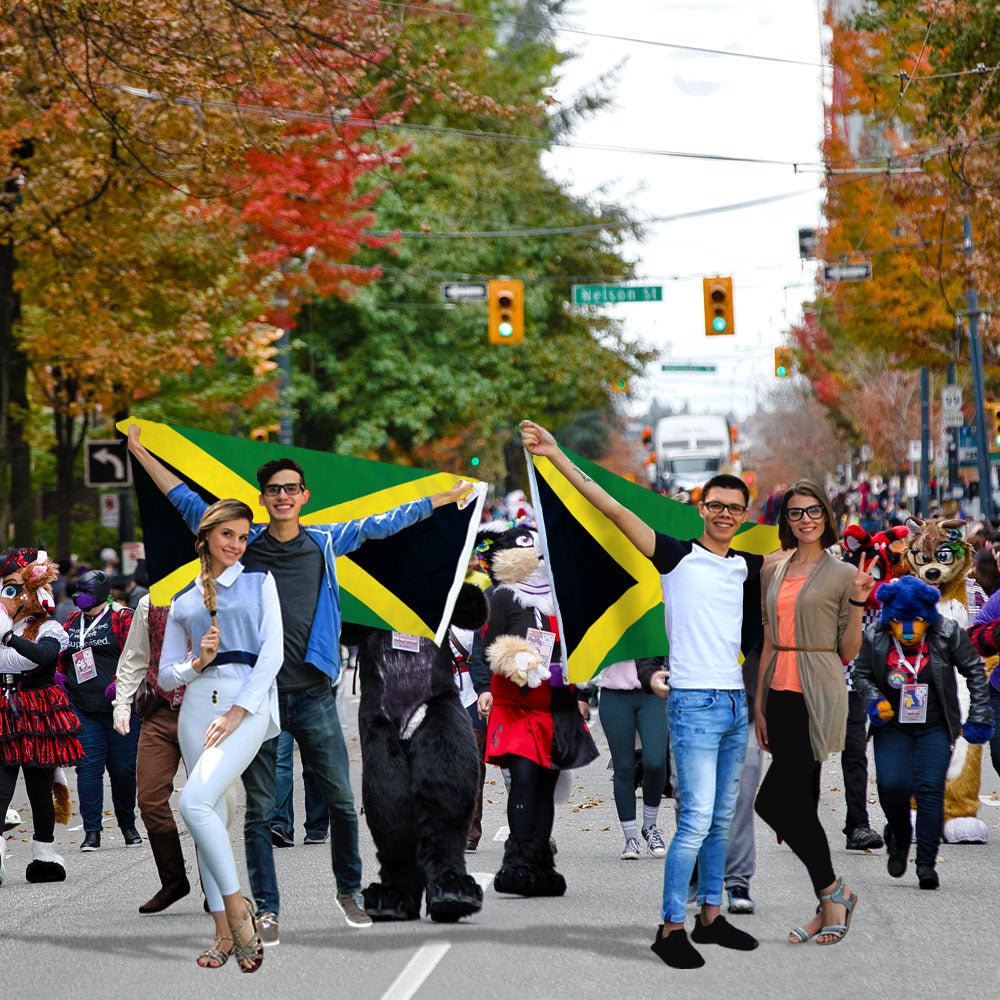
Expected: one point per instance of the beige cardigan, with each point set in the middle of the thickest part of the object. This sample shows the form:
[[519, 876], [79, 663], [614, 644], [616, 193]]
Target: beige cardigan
[[821, 614]]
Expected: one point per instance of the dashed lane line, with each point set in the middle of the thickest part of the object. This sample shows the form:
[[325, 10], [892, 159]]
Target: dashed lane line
[[416, 971]]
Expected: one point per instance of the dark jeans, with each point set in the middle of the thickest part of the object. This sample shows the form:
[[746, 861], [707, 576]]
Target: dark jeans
[[106, 750], [311, 717], [854, 763], [623, 714], [317, 815], [913, 765], [788, 800], [995, 742]]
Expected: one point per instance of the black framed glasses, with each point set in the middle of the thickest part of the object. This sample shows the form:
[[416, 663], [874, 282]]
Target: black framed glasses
[[717, 507], [814, 512], [292, 489]]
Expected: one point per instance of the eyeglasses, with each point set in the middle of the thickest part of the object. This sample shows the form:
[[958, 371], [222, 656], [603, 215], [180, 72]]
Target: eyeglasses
[[814, 512], [292, 489], [717, 507]]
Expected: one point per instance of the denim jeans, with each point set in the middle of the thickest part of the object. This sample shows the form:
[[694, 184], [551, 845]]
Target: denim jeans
[[106, 749], [311, 717], [317, 815], [708, 734], [912, 764]]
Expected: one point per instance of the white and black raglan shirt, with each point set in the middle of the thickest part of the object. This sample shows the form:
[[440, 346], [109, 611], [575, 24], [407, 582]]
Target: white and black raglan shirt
[[712, 611]]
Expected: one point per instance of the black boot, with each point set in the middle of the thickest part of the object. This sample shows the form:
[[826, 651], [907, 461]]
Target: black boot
[[548, 882], [453, 895], [389, 902], [169, 858], [897, 853], [517, 875]]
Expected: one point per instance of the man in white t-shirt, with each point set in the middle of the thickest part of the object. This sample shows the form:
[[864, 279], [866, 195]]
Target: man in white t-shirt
[[706, 587]]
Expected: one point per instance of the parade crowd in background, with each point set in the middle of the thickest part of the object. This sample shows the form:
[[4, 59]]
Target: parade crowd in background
[[864, 624]]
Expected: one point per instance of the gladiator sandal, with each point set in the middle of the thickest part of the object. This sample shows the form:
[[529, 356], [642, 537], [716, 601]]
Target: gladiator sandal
[[249, 955], [838, 931], [214, 957]]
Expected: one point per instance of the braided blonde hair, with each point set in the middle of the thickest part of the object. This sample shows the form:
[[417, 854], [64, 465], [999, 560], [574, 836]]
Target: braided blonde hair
[[220, 512]]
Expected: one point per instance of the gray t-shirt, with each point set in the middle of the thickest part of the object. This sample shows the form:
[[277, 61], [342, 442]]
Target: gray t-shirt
[[297, 568]]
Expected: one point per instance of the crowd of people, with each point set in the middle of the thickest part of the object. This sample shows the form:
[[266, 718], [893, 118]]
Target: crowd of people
[[799, 654]]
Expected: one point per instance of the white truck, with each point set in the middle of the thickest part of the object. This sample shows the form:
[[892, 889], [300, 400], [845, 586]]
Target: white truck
[[692, 448]]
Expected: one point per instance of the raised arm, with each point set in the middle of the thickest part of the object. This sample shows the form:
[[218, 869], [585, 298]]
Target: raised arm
[[159, 473], [539, 441]]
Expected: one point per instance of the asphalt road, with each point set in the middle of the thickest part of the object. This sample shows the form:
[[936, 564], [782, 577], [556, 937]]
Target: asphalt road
[[85, 937]]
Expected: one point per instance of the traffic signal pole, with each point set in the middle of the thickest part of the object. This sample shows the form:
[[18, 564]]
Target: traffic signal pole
[[925, 441], [978, 382]]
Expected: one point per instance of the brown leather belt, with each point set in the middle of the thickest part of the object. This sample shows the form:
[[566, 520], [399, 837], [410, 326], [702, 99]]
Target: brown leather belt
[[802, 649]]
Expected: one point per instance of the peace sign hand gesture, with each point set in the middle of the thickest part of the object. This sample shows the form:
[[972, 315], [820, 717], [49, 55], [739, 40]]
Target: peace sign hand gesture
[[864, 582]]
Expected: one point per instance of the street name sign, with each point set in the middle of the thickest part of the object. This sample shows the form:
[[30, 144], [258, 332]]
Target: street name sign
[[463, 291], [688, 368], [599, 295], [848, 272]]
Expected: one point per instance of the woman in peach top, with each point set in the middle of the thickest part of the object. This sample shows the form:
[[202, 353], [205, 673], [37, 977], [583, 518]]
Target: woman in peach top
[[812, 605]]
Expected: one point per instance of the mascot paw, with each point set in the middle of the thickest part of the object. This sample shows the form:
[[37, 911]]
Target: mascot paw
[[966, 830], [977, 732], [45, 864], [386, 902], [453, 896], [514, 658], [879, 711]]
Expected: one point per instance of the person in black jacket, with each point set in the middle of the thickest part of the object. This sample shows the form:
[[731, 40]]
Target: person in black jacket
[[906, 674]]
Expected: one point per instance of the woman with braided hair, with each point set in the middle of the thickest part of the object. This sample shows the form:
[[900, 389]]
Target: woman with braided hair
[[224, 642]]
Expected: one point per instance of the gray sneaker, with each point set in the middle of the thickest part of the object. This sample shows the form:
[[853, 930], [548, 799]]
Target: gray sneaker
[[352, 906], [267, 928], [632, 850], [654, 841]]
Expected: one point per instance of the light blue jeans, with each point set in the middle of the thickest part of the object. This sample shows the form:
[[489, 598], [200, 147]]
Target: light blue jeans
[[708, 736]]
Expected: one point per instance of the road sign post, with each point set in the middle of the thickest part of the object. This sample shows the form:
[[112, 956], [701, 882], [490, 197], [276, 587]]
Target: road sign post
[[106, 464]]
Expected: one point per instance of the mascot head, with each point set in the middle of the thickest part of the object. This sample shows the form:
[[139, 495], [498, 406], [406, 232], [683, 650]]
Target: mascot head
[[26, 593], [509, 553], [92, 589], [882, 553], [937, 553], [909, 608]]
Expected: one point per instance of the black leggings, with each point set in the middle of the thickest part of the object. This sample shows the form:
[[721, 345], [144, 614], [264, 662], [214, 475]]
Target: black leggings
[[788, 800], [38, 782], [531, 808]]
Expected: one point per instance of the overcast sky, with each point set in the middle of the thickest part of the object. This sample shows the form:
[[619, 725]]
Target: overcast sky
[[667, 99]]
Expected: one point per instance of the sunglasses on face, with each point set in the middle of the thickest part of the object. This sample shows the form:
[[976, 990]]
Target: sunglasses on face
[[717, 507], [814, 512], [292, 489]]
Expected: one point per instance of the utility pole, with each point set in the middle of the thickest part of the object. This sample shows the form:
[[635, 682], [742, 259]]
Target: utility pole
[[925, 440], [978, 381], [953, 482]]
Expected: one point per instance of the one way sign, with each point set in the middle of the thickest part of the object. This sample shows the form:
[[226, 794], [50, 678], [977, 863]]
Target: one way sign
[[106, 464]]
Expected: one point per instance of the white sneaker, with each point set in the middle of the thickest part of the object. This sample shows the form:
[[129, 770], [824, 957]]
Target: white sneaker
[[632, 850]]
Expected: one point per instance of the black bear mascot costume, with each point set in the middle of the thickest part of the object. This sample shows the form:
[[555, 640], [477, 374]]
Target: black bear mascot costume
[[420, 770]]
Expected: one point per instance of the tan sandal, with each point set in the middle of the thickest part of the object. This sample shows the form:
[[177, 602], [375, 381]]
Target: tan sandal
[[252, 951], [214, 957]]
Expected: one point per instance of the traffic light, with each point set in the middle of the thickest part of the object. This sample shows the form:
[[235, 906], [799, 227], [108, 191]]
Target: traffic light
[[264, 433], [474, 461], [620, 385], [718, 293], [992, 423], [782, 362], [506, 309]]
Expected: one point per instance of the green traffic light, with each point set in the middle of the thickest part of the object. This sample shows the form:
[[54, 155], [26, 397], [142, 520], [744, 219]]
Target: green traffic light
[[719, 324], [474, 461], [505, 329], [781, 371]]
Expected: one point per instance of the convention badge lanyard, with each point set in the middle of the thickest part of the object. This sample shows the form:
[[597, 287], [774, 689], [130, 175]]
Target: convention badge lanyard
[[83, 659], [912, 696]]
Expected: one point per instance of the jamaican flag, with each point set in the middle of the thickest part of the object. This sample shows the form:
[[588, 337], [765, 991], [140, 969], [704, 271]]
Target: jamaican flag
[[609, 598], [407, 582]]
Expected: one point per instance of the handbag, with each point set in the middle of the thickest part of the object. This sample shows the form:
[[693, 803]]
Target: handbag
[[146, 699]]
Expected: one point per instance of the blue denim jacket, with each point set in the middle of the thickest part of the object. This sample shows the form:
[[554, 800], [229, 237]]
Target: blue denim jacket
[[334, 540]]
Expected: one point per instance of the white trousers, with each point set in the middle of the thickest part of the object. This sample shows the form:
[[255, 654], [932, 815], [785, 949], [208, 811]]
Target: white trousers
[[203, 801]]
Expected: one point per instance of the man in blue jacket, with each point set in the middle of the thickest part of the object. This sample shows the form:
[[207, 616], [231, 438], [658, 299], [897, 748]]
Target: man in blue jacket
[[302, 560]]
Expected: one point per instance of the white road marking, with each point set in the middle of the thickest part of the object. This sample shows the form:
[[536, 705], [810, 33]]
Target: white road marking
[[989, 800], [502, 834], [484, 879], [73, 829], [416, 971]]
